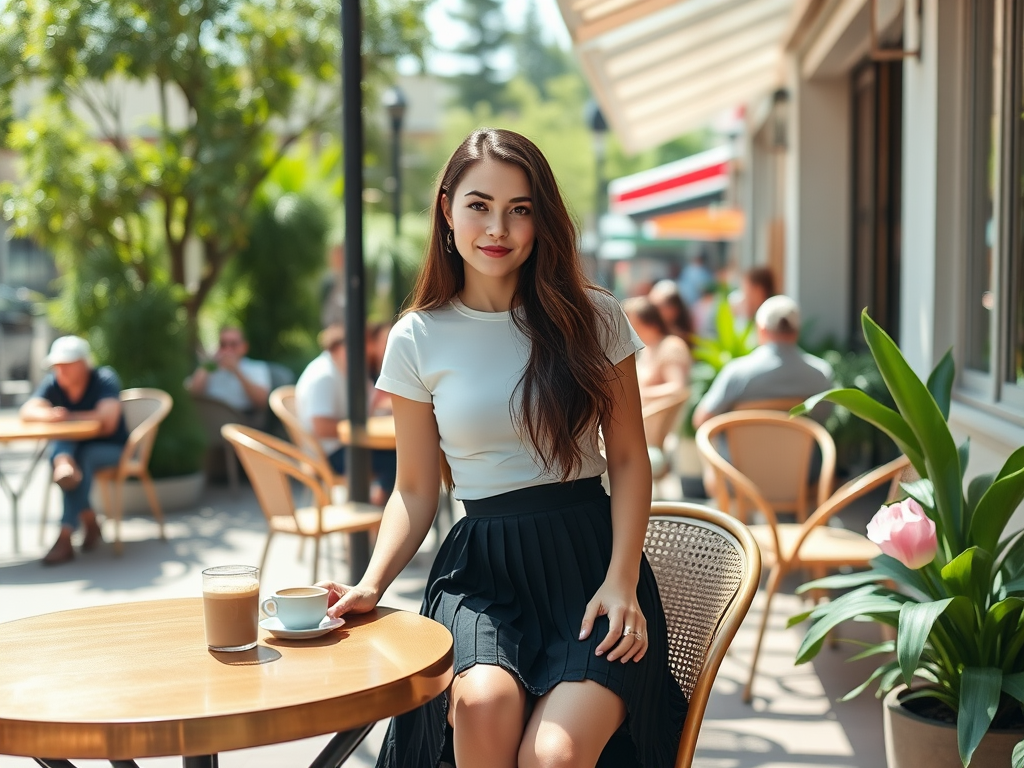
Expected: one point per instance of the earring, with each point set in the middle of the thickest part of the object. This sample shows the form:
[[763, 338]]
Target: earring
[[450, 242]]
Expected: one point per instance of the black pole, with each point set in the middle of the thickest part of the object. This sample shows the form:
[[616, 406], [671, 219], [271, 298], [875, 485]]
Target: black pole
[[358, 459], [396, 173]]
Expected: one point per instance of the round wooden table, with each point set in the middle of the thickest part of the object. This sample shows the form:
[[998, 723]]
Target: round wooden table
[[136, 680], [379, 434], [12, 429]]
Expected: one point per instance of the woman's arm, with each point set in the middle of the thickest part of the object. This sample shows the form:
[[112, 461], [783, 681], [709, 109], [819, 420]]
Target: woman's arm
[[629, 471], [673, 363], [409, 512]]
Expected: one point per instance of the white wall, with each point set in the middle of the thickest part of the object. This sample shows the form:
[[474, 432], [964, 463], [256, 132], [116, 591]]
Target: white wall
[[818, 202]]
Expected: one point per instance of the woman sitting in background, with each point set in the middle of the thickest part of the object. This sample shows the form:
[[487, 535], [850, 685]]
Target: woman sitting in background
[[676, 316], [663, 366]]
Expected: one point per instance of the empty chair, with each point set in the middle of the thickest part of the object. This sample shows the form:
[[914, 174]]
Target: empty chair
[[285, 407], [813, 544], [143, 409], [271, 464], [707, 567]]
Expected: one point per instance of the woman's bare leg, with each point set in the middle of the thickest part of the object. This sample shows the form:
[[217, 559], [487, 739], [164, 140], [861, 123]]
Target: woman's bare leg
[[570, 726], [487, 713]]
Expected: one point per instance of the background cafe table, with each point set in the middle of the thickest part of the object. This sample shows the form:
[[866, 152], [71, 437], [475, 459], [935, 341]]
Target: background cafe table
[[379, 433], [12, 429], [136, 680]]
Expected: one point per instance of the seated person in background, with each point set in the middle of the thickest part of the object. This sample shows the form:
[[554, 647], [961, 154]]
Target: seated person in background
[[321, 397], [75, 391], [665, 297], [663, 366], [756, 287], [776, 369], [233, 378]]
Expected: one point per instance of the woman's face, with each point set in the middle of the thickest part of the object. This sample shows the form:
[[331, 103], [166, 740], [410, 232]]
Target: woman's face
[[491, 214]]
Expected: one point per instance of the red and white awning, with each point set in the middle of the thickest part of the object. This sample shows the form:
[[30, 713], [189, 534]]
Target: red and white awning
[[674, 184]]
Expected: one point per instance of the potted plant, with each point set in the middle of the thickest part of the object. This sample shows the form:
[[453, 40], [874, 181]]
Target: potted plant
[[949, 582]]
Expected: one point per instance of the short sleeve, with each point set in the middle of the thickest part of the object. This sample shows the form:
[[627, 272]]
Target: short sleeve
[[319, 401], [618, 339], [400, 370], [258, 372], [45, 390], [108, 385]]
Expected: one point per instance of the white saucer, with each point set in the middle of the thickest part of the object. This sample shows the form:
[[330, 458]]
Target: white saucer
[[274, 626]]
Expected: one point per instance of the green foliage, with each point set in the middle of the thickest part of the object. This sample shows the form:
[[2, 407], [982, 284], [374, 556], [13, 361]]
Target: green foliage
[[540, 61], [139, 330], [960, 631], [391, 265], [487, 35], [273, 282]]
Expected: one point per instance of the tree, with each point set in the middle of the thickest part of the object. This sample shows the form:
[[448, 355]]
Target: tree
[[236, 84], [539, 60], [487, 37]]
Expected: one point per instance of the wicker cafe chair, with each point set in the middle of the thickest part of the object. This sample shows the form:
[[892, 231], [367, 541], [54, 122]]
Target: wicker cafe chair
[[661, 417], [776, 452], [707, 567], [271, 463], [285, 407], [813, 544], [143, 409]]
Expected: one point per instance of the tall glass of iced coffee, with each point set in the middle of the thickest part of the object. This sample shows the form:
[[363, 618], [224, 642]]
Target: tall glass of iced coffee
[[231, 597]]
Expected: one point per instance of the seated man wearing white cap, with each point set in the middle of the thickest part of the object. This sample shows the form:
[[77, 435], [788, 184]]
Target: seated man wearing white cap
[[776, 369], [75, 391]]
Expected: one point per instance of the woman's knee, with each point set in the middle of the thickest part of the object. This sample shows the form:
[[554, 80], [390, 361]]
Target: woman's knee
[[486, 694], [552, 747]]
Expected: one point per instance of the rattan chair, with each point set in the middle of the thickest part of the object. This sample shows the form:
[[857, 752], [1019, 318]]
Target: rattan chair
[[285, 407], [271, 464], [776, 452], [661, 417], [813, 544], [707, 566], [772, 404], [214, 414], [143, 410]]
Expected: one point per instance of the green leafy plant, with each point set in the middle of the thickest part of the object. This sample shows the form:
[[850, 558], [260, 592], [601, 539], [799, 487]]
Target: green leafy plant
[[959, 616]]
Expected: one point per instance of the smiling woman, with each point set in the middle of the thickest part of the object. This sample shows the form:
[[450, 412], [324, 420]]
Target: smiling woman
[[506, 366]]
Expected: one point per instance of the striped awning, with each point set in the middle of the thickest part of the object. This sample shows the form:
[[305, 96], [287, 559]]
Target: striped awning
[[673, 185], [660, 68]]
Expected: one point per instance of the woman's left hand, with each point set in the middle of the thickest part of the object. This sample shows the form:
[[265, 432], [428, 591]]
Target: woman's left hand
[[627, 627]]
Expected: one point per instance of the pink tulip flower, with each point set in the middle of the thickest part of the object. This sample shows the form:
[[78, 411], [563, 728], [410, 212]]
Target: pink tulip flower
[[905, 532]]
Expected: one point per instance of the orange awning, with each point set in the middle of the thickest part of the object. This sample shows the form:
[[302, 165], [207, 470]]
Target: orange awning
[[697, 224]]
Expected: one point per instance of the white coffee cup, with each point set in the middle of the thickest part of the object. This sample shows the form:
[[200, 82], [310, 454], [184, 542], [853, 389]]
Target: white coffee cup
[[297, 607]]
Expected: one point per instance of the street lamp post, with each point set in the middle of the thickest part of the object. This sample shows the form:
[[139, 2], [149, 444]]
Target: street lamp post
[[599, 131], [395, 103]]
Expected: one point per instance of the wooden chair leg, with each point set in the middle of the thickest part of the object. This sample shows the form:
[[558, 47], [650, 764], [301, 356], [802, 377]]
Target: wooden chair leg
[[266, 549], [316, 557], [46, 510], [154, 502], [111, 510], [773, 584]]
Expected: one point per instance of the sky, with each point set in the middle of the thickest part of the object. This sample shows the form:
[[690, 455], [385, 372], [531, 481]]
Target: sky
[[441, 28]]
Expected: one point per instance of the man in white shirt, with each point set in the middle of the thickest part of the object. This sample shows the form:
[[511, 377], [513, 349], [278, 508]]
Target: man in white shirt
[[231, 377], [321, 396]]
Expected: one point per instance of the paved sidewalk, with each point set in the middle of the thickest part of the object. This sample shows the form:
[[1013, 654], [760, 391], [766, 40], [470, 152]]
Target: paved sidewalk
[[792, 723]]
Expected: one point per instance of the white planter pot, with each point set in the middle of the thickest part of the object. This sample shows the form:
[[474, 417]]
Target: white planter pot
[[172, 492], [912, 741]]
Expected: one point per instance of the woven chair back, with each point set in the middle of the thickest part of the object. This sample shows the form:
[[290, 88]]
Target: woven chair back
[[707, 567], [286, 408], [143, 409], [270, 467], [662, 416]]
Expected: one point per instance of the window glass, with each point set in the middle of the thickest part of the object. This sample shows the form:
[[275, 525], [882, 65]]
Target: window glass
[[981, 301]]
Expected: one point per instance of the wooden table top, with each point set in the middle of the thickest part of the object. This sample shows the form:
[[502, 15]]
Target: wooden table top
[[379, 434], [16, 429], [137, 680]]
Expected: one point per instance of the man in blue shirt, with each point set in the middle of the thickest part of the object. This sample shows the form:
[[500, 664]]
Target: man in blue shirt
[[75, 391]]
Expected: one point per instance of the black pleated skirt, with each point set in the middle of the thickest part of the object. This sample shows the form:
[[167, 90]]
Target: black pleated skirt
[[512, 582]]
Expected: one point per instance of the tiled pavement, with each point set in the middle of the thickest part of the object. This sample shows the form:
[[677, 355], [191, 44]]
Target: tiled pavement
[[794, 721]]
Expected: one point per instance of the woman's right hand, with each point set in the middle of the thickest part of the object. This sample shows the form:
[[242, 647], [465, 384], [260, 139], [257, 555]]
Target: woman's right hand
[[342, 599]]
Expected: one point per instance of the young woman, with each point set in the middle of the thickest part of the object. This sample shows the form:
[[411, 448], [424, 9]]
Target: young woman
[[663, 366], [509, 363]]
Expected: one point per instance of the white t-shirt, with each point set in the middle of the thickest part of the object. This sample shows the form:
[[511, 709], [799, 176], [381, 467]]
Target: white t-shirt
[[224, 385], [320, 392], [468, 363]]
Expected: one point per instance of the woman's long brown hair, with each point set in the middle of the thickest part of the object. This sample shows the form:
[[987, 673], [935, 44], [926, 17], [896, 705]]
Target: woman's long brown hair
[[566, 387]]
